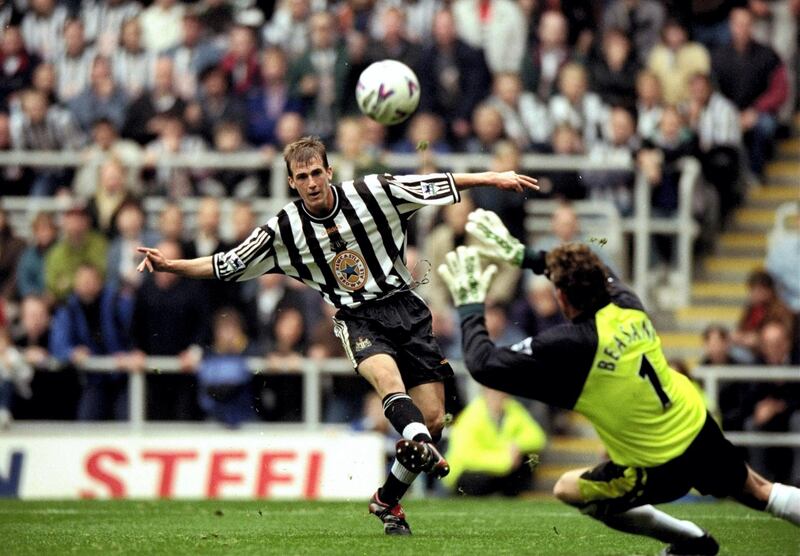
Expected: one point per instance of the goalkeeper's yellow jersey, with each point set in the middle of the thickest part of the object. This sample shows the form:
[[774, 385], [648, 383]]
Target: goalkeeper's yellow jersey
[[608, 366], [644, 412]]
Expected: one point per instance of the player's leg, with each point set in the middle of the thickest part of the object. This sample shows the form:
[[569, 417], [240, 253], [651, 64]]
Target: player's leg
[[609, 494], [422, 454], [780, 500], [381, 371]]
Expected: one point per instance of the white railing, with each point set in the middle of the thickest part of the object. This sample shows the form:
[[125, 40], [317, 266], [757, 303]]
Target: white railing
[[712, 375], [310, 370], [641, 226]]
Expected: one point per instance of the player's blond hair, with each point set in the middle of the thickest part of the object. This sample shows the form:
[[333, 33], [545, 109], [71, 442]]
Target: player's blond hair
[[303, 151]]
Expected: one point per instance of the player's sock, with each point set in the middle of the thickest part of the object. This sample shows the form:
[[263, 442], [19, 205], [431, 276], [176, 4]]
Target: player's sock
[[405, 417], [647, 520], [784, 502], [396, 484]]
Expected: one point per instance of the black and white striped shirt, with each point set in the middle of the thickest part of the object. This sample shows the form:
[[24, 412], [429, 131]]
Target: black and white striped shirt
[[353, 255]]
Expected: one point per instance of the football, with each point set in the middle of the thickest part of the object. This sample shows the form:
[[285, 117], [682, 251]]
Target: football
[[388, 92]]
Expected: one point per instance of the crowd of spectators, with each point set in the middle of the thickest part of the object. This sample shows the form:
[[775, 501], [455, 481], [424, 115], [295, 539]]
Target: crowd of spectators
[[124, 85]]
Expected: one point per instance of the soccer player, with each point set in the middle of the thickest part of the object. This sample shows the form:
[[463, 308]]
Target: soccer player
[[347, 241], [607, 364]]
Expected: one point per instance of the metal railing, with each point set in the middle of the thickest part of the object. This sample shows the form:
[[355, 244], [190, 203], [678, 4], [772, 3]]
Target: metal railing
[[641, 225], [712, 375]]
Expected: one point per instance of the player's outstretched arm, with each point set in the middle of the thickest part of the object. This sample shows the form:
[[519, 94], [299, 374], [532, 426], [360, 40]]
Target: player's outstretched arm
[[508, 181], [155, 261]]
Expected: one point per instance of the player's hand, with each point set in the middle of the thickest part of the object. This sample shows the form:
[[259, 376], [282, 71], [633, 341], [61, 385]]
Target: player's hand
[[464, 277], [496, 242], [153, 260], [512, 181]]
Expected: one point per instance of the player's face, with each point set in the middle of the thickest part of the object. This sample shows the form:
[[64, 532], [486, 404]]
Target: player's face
[[312, 182]]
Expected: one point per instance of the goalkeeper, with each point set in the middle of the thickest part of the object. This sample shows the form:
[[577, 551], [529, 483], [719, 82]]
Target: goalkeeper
[[607, 364]]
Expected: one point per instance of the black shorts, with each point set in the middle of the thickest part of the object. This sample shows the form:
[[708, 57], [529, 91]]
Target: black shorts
[[399, 326], [711, 464]]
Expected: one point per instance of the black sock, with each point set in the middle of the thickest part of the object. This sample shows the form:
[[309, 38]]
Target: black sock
[[396, 484], [405, 417]]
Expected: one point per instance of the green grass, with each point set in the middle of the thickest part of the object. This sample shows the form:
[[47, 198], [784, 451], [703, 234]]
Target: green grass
[[456, 526]]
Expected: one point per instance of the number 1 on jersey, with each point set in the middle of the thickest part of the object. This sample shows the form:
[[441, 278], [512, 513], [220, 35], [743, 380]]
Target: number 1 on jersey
[[647, 371]]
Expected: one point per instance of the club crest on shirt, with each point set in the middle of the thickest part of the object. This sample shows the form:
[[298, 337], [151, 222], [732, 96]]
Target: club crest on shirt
[[362, 343], [350, 270]]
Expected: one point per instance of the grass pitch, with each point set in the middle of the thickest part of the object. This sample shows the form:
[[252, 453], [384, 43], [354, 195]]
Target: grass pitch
[[455, 526]]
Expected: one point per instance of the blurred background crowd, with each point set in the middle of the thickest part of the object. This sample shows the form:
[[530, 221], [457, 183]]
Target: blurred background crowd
[[124, 85]]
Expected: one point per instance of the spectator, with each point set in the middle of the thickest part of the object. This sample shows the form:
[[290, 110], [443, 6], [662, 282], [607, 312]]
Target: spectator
[[148, 114], [612, 73], [79, 246], [289, 28], [282, 394], [453, 77], [487, 125], [170, 181], [208, 240], [240, 62], [783, 260], [271, 99], [675, 60], [170, 229], [774, 403], [291, 126], [15, 374], [491, 447], [42, 28], [122, 256], [103, 20], [11, 248], [649, 104], [754, 78], [133, 64], [14, 180], [319, 76], [564, 184], [566, 228], [775, 23], [217, 16], [106, 144], [215, 104], [424, 126], [45, 81], [16, 63], [30, 268], [74, 62], [733, 396], [109, 196], [509, 206], [95, 320], [525, 119], [241, 184], [541, 66], [642, 20], [497, 27], [575, 106], [161, 24], [355, 159], [102, 99], [763, 305], [224, 380], [394, 43], [538, 311], [54, 395], [620, 147], [171, 318], [501, 329], [40, 126], [194, 54], [715, 121], [444, 238]]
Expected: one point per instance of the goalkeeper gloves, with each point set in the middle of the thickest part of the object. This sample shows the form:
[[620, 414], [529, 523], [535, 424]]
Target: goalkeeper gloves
[[462, 273], [496, 242]]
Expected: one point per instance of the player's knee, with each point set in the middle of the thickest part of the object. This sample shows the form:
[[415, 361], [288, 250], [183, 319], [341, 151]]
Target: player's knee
[[434, 420]]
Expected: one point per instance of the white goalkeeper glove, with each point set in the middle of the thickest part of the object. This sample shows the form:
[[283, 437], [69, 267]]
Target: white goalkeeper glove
[[465, 279], [496, 242]]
